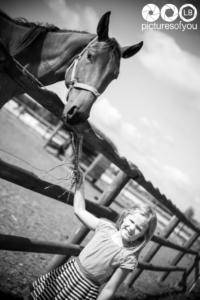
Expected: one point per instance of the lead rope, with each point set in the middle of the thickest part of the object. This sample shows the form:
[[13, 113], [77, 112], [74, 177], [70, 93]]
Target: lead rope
[[77, 141], [27, 73]]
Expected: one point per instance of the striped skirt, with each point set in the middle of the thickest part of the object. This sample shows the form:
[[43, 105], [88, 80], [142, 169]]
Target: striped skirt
[[64, 283]]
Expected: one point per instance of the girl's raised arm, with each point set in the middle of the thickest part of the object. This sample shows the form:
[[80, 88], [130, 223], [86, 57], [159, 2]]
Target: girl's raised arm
[[80, 210]]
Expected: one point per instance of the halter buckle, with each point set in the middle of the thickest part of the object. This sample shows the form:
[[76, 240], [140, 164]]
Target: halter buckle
[[72, 82]]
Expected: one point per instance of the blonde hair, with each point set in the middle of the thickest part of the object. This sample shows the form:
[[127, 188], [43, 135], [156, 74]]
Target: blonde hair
[[151, 219]]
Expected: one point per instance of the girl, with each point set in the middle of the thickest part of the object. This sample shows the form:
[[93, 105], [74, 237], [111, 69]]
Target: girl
[[107, 259]]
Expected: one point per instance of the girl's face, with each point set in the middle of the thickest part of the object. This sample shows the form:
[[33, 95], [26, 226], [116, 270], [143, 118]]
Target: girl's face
[[133, 227]]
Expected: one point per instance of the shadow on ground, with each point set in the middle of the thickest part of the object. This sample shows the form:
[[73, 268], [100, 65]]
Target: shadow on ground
[[9, 296]]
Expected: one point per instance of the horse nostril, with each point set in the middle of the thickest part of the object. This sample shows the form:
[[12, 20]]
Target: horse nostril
[[73, 116], [72, 111]]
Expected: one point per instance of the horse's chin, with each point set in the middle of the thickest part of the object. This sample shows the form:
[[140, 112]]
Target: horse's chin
[[75, 120]]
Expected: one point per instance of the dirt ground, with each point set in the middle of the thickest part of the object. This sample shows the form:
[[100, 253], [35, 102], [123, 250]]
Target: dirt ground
[[28, 214]]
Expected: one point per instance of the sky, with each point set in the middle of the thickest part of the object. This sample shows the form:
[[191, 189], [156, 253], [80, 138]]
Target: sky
[[152, 110]]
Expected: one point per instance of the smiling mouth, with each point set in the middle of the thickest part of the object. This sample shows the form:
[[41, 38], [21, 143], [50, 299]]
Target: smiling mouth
[[128, 233]]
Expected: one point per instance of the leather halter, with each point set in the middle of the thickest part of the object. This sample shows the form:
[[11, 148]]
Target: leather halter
[[73, 81]]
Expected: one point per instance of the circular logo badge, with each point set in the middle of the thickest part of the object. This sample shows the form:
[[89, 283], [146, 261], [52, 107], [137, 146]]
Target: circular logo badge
[[188, 12], [151, 12], [169, 12]]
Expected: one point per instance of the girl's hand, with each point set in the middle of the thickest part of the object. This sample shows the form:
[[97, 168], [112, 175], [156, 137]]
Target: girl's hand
[[79, 178]]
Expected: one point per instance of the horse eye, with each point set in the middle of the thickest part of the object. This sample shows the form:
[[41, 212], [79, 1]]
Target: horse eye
[[89, 56]]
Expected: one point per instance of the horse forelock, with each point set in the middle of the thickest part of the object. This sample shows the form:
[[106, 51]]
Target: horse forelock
[[116, 54], [115, 51], [114, 45], [111, 45]]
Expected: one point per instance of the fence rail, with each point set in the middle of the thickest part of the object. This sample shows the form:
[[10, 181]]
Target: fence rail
[[18, 243], [23, 244], [32, 182]]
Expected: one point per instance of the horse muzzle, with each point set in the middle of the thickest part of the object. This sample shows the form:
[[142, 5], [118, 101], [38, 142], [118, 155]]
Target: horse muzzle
[[73, 116]]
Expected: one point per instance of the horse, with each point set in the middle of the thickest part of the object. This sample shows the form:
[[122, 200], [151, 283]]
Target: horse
[[33, 56]]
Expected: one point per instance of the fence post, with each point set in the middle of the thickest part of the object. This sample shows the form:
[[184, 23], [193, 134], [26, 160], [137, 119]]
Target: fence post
[[188, 272], [196, 277], [106, 199], [154, 249], [99, 160], [195, 267], [56, 129], [179, 256]]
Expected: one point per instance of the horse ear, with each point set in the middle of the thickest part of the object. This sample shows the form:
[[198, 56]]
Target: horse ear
[[103, 27], [127, 52]]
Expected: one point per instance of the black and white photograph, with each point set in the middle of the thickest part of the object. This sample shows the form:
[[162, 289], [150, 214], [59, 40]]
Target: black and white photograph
[[99, 150]]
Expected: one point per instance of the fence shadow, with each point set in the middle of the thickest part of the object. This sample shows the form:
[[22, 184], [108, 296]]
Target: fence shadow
[[9, 296]]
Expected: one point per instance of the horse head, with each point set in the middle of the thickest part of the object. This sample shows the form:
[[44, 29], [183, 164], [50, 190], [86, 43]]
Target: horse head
[[92, 70]]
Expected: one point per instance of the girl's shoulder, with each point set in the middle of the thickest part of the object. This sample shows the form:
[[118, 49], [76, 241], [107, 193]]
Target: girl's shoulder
[[105, 224], [128, 259]]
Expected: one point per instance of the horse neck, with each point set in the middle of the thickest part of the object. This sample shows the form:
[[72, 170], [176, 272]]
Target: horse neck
[[10, 32], [58, 51], [49, 55]]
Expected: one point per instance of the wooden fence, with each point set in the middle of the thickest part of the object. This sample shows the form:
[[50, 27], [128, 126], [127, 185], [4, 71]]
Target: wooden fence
[[128, 171]]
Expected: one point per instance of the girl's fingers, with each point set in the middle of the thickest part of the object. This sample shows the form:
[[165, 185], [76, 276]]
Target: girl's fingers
[[79, 177]]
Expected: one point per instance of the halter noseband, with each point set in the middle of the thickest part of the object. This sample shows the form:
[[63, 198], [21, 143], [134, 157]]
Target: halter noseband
[[73, 81]]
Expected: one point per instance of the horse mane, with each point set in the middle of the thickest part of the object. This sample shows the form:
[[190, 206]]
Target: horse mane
[[48, 27], [111, 42]]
